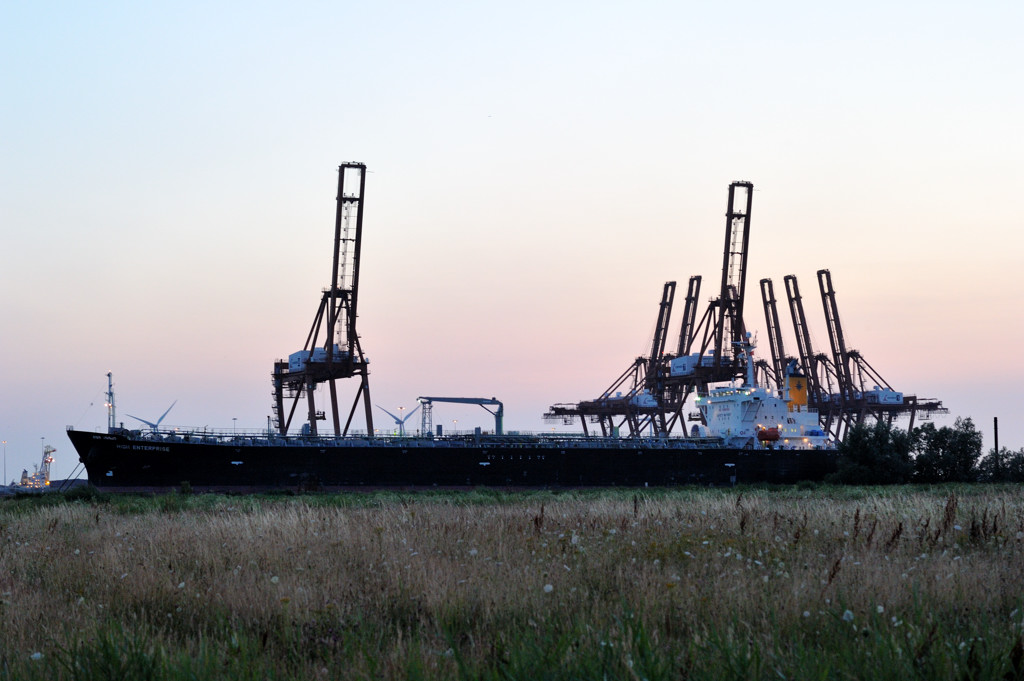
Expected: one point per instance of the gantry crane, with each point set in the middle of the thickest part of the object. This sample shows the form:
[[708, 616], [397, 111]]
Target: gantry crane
[[427, 413], [628, 402], [696, 366], [332, 350], [843, 387], [861, 392], [675, 393], [650, 395], [721, 327]]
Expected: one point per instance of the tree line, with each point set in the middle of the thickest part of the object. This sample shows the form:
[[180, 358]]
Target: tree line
[[879, 454]]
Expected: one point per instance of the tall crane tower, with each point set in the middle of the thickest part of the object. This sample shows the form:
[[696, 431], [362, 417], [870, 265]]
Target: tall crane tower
[[332, 350], [734, 268], [652, 392], [705, 350]]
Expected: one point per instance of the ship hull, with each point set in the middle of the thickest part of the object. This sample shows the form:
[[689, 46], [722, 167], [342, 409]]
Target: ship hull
[[125, 461]]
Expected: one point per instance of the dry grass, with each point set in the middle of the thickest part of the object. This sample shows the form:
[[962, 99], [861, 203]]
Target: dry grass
[[654, 584]]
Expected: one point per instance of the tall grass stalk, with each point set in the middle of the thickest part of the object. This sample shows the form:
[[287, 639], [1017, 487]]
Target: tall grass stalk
[[897, 583]]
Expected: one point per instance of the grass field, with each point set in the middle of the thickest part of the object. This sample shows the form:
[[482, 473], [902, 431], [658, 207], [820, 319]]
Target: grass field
[[821, 583]]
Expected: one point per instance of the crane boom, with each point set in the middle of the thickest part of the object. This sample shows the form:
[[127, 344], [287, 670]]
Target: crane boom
[[803, 338], [840, 356], [689, 317], [771, 318], [734, 268]]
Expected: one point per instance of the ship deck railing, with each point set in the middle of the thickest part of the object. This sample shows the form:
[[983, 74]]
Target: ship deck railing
[[513, 440]]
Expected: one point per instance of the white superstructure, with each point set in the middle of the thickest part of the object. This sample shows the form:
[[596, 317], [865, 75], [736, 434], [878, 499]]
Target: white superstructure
[[750, 416], [40, 478]]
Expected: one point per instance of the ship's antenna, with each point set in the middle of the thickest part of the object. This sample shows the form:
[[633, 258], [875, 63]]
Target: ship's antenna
[[111, 420], [747, 348]]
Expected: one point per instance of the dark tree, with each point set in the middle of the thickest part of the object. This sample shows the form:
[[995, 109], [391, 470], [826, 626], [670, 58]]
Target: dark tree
[[947, 454], [876, 454], [1002, 466]]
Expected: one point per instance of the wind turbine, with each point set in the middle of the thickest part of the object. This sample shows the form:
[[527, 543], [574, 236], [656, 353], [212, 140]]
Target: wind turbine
[[400, 422], [152, 425]]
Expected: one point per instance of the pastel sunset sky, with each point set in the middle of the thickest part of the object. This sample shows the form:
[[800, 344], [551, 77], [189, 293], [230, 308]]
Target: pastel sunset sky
[[538, 170]]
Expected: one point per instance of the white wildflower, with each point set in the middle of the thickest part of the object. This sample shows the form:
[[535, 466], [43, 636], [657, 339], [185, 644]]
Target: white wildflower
[[181, 585], [880, 609], [807, 613], [847, 616], [36, 656], [275, 579], [473, 552], [548, 588]]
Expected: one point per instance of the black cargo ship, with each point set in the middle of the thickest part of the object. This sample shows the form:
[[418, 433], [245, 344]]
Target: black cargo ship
[[126, 460]]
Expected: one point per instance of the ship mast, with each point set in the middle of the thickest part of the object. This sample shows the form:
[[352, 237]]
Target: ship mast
[[111, 420]]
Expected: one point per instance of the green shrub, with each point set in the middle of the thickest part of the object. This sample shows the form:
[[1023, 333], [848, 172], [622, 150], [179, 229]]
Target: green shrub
[[877, 454], [947, 454]]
